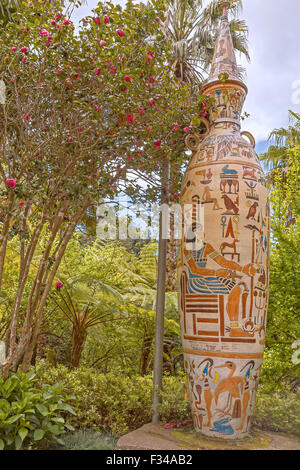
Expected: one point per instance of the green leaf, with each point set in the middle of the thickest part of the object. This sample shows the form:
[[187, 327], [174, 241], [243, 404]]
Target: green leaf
[[18, 443], [38, 434], [70, 427], [23, 433], [42, 409]]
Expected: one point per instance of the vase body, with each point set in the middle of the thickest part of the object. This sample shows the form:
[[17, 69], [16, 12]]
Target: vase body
[[223, 272]]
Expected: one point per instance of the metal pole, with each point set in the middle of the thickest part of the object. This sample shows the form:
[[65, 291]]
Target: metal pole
[[160, 297]]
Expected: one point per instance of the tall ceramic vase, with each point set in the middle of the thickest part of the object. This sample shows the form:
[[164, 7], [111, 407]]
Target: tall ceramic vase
[[223, 258]]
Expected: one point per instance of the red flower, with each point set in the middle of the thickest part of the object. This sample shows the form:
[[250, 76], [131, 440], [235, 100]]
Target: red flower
[[57, 16], [158, 143], [131, 118], [113, 68], [44, 32], [102, 43], [127, 78], [21, 203], [24, 50], [141, 110], [175, 127], [26, 117], [151, 79], [11, 183], [120, 32], [97, 71], [152, 102], [14, 48], [186, 129], [66, 22], [59, 285], [175, 196], [58, 70], [106, 19], [70, 139], [97, 20]]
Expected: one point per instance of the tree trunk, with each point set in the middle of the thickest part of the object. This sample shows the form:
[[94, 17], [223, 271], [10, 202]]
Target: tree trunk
[[78, 338], [146, 351]]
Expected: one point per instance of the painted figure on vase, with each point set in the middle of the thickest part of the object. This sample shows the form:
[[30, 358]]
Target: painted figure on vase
[[223, 258]]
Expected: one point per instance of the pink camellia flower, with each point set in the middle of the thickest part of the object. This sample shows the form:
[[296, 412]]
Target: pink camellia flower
[[11, 183], [68, 82], [151, 79], [168, 426], [131, 118], [44, 32], [97, 71], [59, 285], [24, 50], [53, 23], [57, 16], [120, 32], [102, 43], [158, 143], [106, 19], [68, 217], [95, 106], [70, 139], [68, 67], [25, 58], [141, 111], [127, 78], [97, 20], [186, 129], [66, 22], [152, 102], [175, 197], [113, 69], [175, 127], [58, 70], [13, 48], [21, 203]]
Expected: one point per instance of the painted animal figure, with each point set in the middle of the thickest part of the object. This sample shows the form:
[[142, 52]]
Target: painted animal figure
[[252, 211], [229, 245], [229, 204], [227, 171]]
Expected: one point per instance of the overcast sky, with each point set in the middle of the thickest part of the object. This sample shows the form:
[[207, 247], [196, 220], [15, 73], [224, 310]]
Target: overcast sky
[[274, 44]]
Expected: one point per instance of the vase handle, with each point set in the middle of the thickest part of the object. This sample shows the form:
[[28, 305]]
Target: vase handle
[[250, 137], [197, 137]]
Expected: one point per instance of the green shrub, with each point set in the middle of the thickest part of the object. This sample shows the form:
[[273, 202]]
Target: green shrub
[[278, 412], [87, 440], [31, 417], [115, 403]]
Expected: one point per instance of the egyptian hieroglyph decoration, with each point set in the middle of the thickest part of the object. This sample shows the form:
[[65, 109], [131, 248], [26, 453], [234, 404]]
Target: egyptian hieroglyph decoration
[[223, 258]]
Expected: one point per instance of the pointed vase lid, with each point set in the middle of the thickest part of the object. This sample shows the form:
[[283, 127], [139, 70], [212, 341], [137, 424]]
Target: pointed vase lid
[[224, 63]]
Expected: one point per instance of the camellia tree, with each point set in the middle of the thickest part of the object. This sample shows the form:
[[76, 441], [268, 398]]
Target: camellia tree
[[82, 109]]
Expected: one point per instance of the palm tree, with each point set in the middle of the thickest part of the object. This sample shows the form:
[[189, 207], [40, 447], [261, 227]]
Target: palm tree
[[7, 9], [85, 302], [277, 157], [192, 29]]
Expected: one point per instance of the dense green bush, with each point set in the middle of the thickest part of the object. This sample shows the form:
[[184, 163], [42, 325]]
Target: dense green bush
[[115, 403], [31, 417], [278, 412]]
